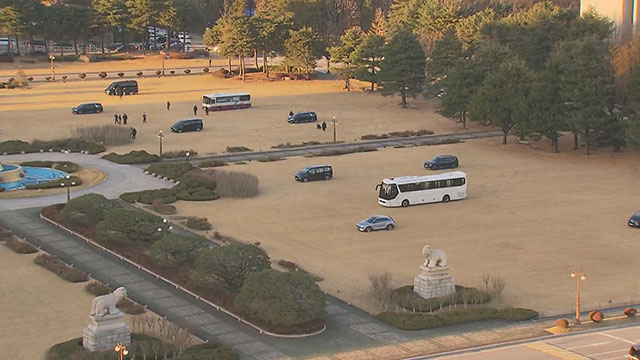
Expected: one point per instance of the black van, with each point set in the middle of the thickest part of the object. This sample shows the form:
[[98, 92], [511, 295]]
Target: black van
[[194, 124], [128, 86], [316, 172]]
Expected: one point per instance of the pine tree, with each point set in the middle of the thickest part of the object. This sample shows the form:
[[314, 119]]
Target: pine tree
[[378, 26]]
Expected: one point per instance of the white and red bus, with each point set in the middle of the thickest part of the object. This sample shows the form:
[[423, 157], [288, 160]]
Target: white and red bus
[[229, 101]]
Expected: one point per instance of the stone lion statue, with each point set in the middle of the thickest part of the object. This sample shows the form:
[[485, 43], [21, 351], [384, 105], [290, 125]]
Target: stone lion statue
[[433, 257], [106, 304]]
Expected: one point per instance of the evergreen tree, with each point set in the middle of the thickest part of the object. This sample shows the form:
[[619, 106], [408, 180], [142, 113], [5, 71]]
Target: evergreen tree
[[378, 26], [367, 58], [402, 70], [302, 48], [115, 13], [546, 111]]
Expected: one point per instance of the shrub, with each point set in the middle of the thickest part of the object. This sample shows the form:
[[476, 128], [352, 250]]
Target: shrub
[[236, 184], [125, 226], [172, 72], [65, 166], [55, 184], [171, 170], [187, 71], [139, 73], [30, 78], [96, 288], [102, 74], [410, 321], [64, 78], [16, 147], [87, 210], [178, 154], [236, 149], [174, 250], [48, 78], [270, 159], [562, 323], [132, 157], [160, 207], [630, 312], [280, 298], [71, 144], [5, 234], [517, 314], [103, 134], [82, 76], [229, 265], [2, 189], [197, 223], [165, 196], [336, 152], [211, 163], [60, 268], [158, 72], [291, 266], [19, 246], [205, 70], [120, 74], [596, 316], [381, 290], [129, 307]]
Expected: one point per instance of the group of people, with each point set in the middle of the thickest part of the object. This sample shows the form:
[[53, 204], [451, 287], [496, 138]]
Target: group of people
[[195, 110], [119, 119], [120, 92]]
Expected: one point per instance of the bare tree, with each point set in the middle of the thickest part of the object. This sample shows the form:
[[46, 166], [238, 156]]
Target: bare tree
[[485, 279], [341, 15], [497, 286], [381, 290]]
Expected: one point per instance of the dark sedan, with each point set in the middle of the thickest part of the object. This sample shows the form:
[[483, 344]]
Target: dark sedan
[[88, 108], [634, 220]]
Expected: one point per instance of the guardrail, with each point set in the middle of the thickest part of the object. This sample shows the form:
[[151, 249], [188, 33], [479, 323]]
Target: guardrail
[[178, 287]]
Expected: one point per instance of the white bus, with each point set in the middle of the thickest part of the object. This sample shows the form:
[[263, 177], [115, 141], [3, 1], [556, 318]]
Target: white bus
[[231, 101], [411, 190]]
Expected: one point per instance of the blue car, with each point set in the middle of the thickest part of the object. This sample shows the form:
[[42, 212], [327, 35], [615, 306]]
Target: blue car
[[442, 162], [634, 220]]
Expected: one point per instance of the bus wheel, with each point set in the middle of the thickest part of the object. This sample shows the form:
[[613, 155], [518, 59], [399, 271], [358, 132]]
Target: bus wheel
[[445, 199], [405, 203]]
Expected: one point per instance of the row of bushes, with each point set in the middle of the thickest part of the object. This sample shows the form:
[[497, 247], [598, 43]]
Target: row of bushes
[[56, 184], [394, 134], [127, 306], [420, 321], [71, 144], [146, 347], [66, 166], [176, 154], [132, 157], [335, 152], [19, 246], [60, 268]]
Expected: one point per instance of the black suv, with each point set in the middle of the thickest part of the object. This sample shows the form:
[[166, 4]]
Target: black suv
[[442, 162], [316, 172], [194, 124], [88, 108], [128, 87], [302, 117]]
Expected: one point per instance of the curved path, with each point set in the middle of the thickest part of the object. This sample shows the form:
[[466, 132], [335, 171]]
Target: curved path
[[120, 179]]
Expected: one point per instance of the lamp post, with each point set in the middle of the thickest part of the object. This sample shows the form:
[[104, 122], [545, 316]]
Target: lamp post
[[334, 121], [160, 136], [53, 68], [68, 184], [579, 276], [187, 156], [162, 53], [121, 349]]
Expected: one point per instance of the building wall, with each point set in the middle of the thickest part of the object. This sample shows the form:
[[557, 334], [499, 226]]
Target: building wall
[[624, 13]]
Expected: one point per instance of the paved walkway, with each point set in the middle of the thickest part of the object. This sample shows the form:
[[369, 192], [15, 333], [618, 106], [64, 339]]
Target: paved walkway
[[350, 334], [120, 179], [367, 144]]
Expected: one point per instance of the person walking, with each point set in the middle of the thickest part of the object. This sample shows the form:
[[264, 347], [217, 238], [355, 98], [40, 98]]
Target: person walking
[[134, 132], [168, 106], [120, 92], [290, 113], [324, 126], [115, 119], [144, 117], [124, 119], [119, 119], [206, 110], [195, 110]]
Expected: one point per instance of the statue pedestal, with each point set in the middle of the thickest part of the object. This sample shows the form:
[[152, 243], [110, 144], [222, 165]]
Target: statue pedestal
[[434, 282], [103, 333]]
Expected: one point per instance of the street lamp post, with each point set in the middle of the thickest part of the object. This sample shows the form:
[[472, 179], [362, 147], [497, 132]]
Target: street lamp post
[[579, 276], [187, 156], [121, 349], [334, 121], [162, 53], [160, 136], [53, 68], [68, 184]]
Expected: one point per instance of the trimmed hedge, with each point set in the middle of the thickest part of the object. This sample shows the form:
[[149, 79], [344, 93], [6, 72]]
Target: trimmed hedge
[[71, 144], [170, 170], [66, 166], [174, 250], [19, 246], [132, 157], [166, 196], [420, 321], [126, 226], [406, 298], [55, 184], [87, 210], [176, 154], [60, 268]]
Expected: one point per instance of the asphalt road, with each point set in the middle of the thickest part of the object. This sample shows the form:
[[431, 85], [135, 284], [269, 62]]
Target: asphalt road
[[601, 345]]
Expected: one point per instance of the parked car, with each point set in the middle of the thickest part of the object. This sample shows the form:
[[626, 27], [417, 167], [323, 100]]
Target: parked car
[[128, 86], [442, 162], [302, 117], [87, 108], [377, 222], [634, 352], [634, 220], [316, 172], [194, 124]]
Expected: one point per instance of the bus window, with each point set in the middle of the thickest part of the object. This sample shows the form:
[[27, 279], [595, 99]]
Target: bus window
[[442, 184]]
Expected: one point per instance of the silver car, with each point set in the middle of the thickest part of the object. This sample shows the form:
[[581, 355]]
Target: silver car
[[377, 222]]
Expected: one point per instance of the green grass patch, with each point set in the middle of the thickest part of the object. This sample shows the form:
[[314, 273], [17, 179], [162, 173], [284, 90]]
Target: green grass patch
[[132, 157]]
